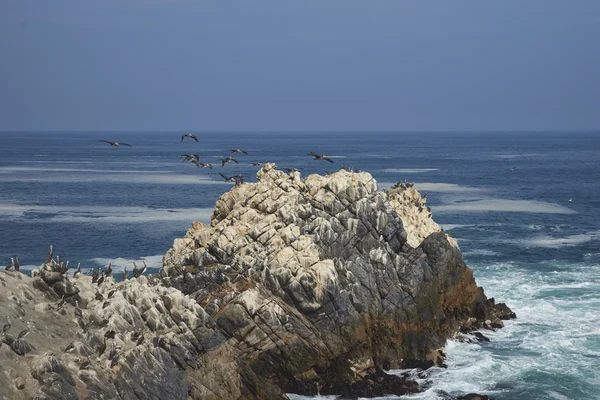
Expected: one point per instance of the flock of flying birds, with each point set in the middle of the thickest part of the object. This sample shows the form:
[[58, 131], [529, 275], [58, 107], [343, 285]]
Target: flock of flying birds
[[99, 275], [237, 179]]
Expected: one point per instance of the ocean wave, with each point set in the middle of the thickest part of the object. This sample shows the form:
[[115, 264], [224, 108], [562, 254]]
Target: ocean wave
[[409, 170], [104, 214], [554, 242], [153, 262], [498, 205], [436, 187], [524, 155], [449, 227], [78, 170], [480, 252], [129, 178]]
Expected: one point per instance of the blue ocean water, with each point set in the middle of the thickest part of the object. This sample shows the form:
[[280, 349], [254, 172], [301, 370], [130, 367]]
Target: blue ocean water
[[527, 244]]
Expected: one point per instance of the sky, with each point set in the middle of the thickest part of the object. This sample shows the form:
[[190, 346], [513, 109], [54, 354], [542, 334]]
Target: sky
[[281, 65]]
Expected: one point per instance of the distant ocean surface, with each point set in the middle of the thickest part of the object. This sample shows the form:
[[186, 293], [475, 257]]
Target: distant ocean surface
[[528, 245]]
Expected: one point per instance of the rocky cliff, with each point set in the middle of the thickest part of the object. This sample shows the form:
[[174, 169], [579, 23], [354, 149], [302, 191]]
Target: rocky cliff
[[297, 285]]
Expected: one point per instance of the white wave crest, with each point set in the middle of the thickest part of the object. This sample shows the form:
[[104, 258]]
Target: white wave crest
[[154, 262], [105, 214], [129, 178], [554, 242], [529, 206], [409, 170]]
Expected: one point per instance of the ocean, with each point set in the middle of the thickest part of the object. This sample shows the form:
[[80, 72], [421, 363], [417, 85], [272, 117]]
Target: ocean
[[503, 196]]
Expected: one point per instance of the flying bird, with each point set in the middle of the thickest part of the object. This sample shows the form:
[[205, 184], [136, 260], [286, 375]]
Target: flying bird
[[189, 135], [256, 164], [290, 170], [205, 165], [239, 151], [228, 159], [115, 144], [320, 157], [238, 179], [512, 169], [571, 199]]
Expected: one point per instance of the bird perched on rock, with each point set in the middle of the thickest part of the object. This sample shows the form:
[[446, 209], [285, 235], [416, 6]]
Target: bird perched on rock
[[115, 144], [50, 253], [95, 275], [101, 279], [65, 269], [98, 296], [189, 135], [6, 326], [239, 151], [228, 159], [112, 293], [109, 270], [12, 264], [320, 157], [78, 271], [78, 312], [17, 265], [125, 273], [137, 272]]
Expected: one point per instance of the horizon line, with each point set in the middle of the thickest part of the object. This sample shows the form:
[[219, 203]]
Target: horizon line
[[292, 131]]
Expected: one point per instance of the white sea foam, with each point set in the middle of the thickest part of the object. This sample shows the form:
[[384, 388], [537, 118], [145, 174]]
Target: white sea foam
[[524, 155], [435, 187], [106, 214], [151, 261], [6, 170], [130, 178], [551, 335], [480, 252], [501, 205], [554, 242], [409, 170], [449, 227]]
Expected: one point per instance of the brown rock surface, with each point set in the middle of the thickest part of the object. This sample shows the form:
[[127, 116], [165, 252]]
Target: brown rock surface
[[295, 286]]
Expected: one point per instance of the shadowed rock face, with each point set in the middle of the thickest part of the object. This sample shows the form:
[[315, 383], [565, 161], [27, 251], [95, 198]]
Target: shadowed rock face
[[295, 286]]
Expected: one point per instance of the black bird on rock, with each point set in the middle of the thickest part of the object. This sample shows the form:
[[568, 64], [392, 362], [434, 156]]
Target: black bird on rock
[[109, 269], [12, 264], [189, 135], [17, 265], [115, 144], [320, 157]]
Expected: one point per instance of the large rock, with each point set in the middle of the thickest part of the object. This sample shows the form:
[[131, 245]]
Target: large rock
[[307, 286]]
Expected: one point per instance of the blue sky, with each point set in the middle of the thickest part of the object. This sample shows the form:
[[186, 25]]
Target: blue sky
[[299, 65]]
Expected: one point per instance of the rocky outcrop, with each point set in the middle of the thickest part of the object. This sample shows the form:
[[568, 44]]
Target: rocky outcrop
[[308, 286]]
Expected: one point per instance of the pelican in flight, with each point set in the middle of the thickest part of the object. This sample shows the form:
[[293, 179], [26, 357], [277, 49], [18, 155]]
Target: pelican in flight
[[205, 165], [290, 170], [238, 179], [228, 159], [239, 151], [256, 164], [320, 157], [193, 158], [190, 136], [115, 144]]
